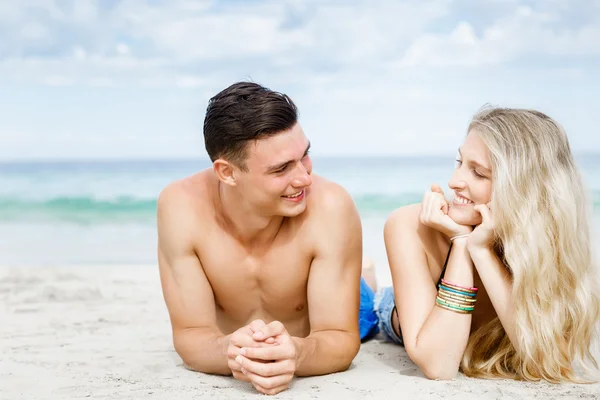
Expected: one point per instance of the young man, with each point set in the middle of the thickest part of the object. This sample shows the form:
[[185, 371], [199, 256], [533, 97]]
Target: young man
[[260, 260]]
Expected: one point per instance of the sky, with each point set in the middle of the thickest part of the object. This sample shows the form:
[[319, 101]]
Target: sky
[[83, 79]]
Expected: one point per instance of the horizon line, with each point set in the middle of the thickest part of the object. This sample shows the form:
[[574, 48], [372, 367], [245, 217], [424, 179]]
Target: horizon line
[[204, 158]]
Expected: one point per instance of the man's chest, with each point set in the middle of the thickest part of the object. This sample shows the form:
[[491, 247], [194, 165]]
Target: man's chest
[[271, 277]]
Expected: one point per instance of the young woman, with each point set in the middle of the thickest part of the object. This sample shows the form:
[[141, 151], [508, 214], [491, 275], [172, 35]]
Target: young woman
[[500, 282]]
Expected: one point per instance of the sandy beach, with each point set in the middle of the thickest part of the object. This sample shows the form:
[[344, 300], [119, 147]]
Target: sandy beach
[[103, 332]]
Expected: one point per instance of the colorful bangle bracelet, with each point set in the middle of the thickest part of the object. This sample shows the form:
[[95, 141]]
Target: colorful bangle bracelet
[[456, 298], [452, 309], [442, 287], [445, 282], [456, 305]]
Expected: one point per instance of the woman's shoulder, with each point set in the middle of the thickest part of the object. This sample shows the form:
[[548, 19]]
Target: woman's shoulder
[[404, 218], [404, 225]]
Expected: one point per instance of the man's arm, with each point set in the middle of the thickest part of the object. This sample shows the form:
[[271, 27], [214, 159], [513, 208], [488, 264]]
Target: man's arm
[[186, 290], [333, 290]]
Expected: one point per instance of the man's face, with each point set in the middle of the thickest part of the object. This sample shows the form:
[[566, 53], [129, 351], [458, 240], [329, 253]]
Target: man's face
[[278, 174]]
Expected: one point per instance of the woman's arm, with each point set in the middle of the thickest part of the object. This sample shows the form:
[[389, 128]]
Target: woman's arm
[[494, 275], [435, 338]]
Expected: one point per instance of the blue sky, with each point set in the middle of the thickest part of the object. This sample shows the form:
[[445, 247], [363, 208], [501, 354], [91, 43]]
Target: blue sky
[[117, 79]]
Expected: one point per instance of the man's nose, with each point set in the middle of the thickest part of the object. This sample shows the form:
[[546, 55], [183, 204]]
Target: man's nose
[[302, 178]]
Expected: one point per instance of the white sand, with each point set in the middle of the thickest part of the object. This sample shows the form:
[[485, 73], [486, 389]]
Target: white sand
[[103, 332]]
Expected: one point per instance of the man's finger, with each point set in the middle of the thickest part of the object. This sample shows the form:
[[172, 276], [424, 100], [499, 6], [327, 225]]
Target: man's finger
[[270, 391], [256, 325], [262, 368], [268, 384], [236, 370], [234, 349], [244, 339], [240, 376], [240, 341], [273, 353], [275, 328]]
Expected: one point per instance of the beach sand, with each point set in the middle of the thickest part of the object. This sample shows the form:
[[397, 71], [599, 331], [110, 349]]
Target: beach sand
[[103, 332]]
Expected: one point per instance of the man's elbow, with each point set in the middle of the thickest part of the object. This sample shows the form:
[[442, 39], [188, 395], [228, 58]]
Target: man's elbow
[[350, 352], [184, 352]]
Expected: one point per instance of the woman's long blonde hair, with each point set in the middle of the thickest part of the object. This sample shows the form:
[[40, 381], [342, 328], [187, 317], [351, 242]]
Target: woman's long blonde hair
[[542, 227]]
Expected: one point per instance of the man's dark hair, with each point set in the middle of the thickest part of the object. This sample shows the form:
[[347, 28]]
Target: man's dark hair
[[241, 113]]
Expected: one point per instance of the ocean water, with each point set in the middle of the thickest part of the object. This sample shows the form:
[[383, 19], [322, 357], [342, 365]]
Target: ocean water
[[57, 213]]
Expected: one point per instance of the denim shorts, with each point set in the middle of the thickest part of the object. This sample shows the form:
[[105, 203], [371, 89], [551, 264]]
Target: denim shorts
[[384, 306]]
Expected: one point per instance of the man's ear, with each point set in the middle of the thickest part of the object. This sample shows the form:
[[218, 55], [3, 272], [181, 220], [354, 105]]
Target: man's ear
[[225, 171]]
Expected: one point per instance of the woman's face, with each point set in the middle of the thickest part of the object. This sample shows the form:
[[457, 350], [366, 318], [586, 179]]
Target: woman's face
[[471, 181]]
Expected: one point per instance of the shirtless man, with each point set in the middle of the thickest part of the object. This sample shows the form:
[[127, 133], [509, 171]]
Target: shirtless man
[[260, 260]]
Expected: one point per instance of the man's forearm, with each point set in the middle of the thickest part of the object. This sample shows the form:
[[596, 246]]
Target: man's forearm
[[325, 352], [203, 350]]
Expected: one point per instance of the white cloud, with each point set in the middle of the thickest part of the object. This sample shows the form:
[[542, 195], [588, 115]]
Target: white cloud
[[136, 41], [58, 80], [217, 38], [79, 53], [33, 30], [390, 71], [525, 33], [190, 81], [122, 49]]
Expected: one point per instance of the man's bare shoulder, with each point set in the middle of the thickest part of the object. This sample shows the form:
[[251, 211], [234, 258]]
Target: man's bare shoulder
[[327, 195], [180, 215], [183, 205], [329, 200], [331, 207], [192, 192]]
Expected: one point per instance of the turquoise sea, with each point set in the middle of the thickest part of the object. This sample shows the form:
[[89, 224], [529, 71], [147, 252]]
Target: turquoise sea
[[100, 212]]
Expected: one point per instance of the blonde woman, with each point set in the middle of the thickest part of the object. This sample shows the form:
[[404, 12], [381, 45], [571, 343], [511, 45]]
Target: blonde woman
[[499, 282]]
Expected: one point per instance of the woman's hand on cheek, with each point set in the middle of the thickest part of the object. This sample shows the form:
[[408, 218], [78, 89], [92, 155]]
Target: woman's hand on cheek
[[483, 235], [434, 213]]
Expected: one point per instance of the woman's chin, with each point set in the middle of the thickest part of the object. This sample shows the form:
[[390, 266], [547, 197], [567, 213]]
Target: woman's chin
[[466, 217]]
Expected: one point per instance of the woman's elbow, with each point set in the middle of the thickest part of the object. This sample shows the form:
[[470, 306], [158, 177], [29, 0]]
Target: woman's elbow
[[431, 367], [439, 373]]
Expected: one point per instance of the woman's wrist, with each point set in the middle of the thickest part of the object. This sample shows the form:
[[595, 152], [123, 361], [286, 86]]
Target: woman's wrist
[[478, 252], [460, 245], [460, 266]]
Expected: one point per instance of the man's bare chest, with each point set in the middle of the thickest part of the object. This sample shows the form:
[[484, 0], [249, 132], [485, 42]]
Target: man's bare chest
[[268, 277]]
